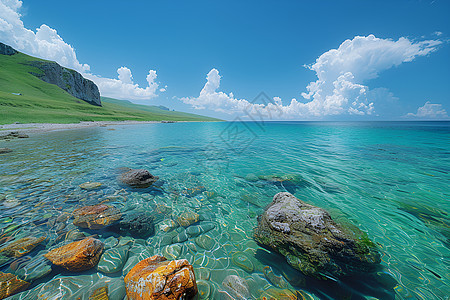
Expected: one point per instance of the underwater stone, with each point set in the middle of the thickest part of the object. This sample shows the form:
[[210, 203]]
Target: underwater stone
[[241, 260], [90, 185], [276, 279], [205, 241], [281, 294], [311, 241], [172, 251], [100, 294], [138, 178], [77, 256], [181, 237], [110, 242], [237, 287], [112, 260], [10, 285], [5, 150], [158, 278], [168, 225], [95, 216], [138, 224], [204, 289], [21, 246], [188, 218], [35, 268]]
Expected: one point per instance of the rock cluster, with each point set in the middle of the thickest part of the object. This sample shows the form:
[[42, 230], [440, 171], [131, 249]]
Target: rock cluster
[[311, 241], [158, 278]]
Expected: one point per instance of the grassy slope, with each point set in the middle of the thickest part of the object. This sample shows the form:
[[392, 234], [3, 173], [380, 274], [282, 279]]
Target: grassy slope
[[42, 102]]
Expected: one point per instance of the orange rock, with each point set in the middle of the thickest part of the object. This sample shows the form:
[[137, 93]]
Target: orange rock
[[95, 216], [188, 218], [156, 278], [10, 285], [22, 246], [77, 256]]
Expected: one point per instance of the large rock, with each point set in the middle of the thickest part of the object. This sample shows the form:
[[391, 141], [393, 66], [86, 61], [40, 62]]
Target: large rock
[[69, 80], [77, 256], [157, 278], [138, 178], [138, 224], [311, 241], [95, 216], [7, 50], [10, 285]]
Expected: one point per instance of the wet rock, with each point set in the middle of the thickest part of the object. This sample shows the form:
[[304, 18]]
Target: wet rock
[[137, 224], [188, 218], [280, 294], [158, 278], [113, 260], [77, 256], [21, 247], [5, 150], [95, 216], [172, 251], [90, 185], [10, 285], [204, 289], [275, 277], [138, 178], [236, 287], [135, 255], [110, 242], [241, 260], [35, 268], [311, 241], [191, 192], [181, 237], [68, 287], [195, 230]]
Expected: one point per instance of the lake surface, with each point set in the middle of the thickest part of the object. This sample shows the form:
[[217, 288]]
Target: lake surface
[[390, 179]]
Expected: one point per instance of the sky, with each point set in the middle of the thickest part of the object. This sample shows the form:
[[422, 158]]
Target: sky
[[281, 60]]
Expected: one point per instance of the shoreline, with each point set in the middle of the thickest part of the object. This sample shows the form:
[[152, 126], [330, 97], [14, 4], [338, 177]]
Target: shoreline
[[28, 128]]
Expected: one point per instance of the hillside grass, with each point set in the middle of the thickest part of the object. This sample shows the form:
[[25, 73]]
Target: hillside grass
[[41, 102]]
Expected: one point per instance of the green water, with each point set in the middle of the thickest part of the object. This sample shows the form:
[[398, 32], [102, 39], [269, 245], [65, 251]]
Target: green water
[[389, 179]]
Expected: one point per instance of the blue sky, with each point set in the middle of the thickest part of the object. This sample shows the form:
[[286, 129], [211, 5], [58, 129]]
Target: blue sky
[[251, 47]]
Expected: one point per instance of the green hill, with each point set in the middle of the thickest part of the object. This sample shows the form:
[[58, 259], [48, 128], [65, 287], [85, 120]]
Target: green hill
[[25, 98]]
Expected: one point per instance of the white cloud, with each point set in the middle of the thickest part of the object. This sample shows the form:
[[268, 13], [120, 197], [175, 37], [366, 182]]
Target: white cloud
[[429, 111], [437, 33], [47, 44], [340, 87]]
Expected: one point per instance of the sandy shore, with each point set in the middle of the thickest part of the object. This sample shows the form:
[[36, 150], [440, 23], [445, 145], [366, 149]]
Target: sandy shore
[[45, 127]]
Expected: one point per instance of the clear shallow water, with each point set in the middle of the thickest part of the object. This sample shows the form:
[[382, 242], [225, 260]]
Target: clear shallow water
[[389, 179]]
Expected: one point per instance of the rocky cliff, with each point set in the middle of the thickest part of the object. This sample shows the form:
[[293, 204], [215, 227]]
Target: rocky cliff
[[69, 80]]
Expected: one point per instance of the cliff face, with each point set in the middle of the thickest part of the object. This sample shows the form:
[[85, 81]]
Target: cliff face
[[69, 80]]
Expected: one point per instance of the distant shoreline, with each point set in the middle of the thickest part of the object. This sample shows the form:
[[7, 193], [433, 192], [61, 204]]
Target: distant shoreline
[[46, 127]]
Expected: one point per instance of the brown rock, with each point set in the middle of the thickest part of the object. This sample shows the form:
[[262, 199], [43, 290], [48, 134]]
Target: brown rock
[[22, 246], [100, 294], [188, 218], [95, 216], [77, 256], [138, 178], [157, 278], [10, 285]]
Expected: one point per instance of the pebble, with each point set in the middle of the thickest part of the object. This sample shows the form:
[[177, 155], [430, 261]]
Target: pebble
[[204, 289], [205, 242], [241, 260]]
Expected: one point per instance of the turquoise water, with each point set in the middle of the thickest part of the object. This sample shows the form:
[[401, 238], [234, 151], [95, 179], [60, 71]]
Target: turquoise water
[[389, 179]]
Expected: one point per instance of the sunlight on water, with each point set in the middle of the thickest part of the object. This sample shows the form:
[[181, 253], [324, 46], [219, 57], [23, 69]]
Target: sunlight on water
[[389, 179]]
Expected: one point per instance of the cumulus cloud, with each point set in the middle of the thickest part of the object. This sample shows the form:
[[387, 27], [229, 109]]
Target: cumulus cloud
[[429, 111], [47, 44], [124, 87], [340, 87]]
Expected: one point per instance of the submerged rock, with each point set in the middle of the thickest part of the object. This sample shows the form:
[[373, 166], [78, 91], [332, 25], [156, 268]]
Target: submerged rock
[[90, 185], [35, 268], [138, 224], [95, 216], [77, 256], [5, 150], [113, 260], [311, 241], [21, 246], [10, 285], [158, 278], [236, 287], [138, 178], [188, 218], [13, 135]]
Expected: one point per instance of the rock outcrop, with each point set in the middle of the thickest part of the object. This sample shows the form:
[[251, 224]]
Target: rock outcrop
[[158, 278], [7, 50], [311, 241], [69, 80]]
